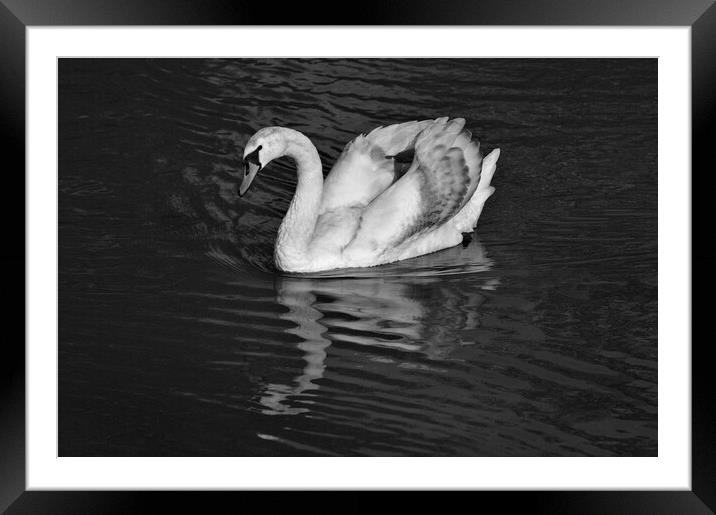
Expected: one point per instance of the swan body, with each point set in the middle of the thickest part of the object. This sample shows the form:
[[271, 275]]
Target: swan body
[[398, 192]]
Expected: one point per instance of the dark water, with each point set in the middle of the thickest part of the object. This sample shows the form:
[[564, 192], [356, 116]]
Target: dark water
[[177, 336]]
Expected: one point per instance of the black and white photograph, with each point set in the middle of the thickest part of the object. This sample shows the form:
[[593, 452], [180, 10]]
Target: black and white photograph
[[451, 246], [357, 257]]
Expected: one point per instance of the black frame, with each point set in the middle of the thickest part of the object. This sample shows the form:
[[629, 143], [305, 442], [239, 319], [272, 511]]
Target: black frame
[[16, 15]]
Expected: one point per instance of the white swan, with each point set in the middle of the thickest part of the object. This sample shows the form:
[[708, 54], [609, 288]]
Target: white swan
[[398, 192]]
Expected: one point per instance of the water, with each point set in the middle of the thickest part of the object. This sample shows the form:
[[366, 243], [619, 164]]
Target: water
[[178, 337]]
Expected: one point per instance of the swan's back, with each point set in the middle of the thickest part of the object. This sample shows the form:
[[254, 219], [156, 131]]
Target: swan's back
[[443, 177]]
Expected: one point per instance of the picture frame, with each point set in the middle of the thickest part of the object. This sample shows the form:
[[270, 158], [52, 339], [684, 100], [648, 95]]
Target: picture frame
[[17, 15]]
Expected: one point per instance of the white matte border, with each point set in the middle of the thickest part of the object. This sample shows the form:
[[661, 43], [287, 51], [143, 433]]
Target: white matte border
[[671, 469]]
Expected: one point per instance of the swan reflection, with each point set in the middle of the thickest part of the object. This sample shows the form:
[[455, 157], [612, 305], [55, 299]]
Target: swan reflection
[[417, 306]]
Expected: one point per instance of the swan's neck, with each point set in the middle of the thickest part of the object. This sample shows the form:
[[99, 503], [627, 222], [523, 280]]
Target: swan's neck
[[296, 230]]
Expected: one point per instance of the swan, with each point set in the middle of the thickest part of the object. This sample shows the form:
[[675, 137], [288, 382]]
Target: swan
[[398, 192]]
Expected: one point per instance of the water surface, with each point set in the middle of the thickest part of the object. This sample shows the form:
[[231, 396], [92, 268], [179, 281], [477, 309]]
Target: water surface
[[178, 337]]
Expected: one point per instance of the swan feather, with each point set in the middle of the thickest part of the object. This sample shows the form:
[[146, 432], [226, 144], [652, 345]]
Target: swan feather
[[441, 180], [362, 171], [394, 193]]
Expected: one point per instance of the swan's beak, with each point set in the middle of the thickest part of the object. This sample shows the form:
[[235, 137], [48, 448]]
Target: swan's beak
[[250, 171]]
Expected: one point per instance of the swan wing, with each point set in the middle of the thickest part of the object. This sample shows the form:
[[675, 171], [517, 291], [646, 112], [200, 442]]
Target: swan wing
[[442, 178], [362, 171]]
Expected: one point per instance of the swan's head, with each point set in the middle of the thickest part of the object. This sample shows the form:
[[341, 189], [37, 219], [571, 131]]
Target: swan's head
[[263, 147]]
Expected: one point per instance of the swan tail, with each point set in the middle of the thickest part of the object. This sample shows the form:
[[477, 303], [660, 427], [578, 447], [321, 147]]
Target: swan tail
[[489, 166]]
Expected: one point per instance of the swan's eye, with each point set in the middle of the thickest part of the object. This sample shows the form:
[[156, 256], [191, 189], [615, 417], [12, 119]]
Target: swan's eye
[[253, 158]]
